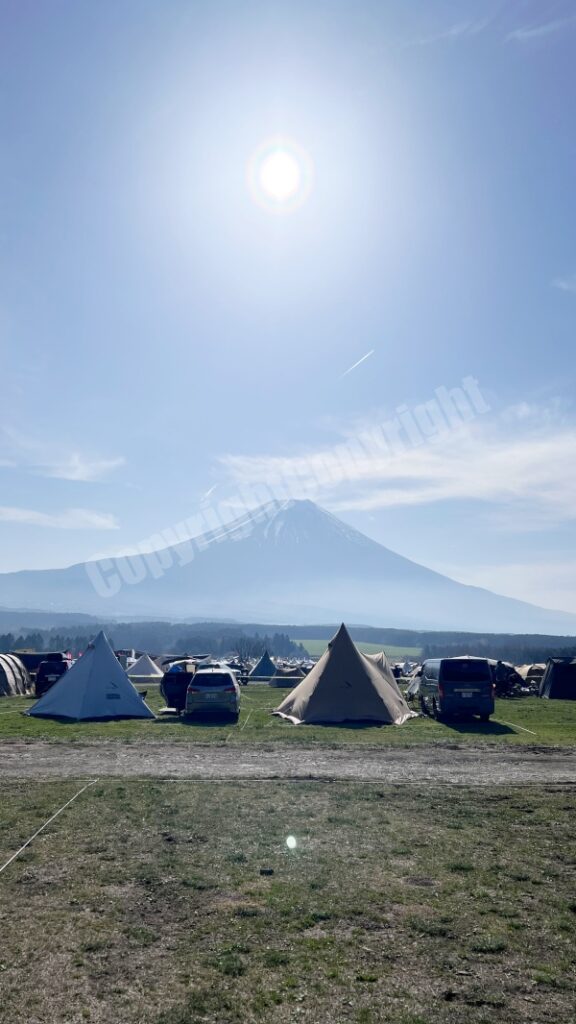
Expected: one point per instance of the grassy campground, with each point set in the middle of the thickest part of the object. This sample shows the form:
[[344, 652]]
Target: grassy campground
[[524, 721], [181, 903], [151, 902]]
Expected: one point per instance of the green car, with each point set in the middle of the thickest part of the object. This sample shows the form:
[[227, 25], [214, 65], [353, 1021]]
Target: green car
[[213, 691]]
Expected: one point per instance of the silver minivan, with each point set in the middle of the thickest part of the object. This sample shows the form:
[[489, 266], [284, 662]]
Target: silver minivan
[[457, 686]]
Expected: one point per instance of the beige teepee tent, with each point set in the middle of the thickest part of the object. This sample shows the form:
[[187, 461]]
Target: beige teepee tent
[[344, 686]]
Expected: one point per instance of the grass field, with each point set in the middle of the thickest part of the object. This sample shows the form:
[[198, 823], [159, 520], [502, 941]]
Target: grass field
[[181, 903], [526, 720], [317, 647]]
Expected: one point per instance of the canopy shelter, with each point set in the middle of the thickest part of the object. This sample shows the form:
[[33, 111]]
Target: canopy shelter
[[344, 686], [95, 687], [264, 669], [14, 677], [145, 669], [559, 679]]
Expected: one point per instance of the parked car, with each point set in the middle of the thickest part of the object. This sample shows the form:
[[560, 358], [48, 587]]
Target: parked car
[[213, 691], [33, 659], [457, 686], [175, 683], [48, 673]]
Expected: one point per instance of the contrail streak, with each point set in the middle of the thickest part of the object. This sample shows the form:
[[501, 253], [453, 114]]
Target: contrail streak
[[353, 367]]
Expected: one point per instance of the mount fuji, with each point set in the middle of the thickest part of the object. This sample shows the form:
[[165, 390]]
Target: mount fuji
[[286, 561]]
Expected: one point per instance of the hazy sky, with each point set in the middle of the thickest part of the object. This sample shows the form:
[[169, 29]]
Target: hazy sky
[[167, 328]]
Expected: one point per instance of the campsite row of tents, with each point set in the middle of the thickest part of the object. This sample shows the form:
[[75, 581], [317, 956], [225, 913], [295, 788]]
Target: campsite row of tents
[[344, 685]]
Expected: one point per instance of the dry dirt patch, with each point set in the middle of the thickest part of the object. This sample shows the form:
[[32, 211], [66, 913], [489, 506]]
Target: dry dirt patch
[[462, 765]]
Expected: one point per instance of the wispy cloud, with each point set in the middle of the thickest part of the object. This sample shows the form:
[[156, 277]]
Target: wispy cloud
[[521, 464], [538, 31], [565, 284], [80, 467], [459, 30], [68, 519], [44, 459]]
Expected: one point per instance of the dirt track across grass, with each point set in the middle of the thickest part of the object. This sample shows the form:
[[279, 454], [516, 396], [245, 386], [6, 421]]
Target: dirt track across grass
[[459, 765]]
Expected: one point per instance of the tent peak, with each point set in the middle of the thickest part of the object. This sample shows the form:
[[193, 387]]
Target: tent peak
[[341, 635]]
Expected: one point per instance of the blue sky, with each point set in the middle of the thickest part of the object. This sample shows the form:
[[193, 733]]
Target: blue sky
[[163, 335]]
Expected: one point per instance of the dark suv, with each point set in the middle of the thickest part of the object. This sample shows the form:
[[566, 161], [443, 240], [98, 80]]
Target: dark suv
[[48, 673]]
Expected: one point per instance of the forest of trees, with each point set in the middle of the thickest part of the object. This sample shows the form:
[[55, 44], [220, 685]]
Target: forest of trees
[[158, 638], [247, 641], [514, 650]]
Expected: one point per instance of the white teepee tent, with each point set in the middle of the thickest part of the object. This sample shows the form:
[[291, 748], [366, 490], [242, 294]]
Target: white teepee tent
[[145, 669], [95, 687]]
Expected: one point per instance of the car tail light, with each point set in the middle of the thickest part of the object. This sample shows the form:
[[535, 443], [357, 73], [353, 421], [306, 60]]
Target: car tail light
[[440, 690], [192, 689], [229, 689]]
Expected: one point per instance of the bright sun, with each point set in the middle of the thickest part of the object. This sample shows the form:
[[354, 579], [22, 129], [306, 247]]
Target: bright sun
[[280, 175]]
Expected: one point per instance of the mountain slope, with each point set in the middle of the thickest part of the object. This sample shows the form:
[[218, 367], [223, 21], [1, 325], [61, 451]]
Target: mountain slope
[[287, 561]]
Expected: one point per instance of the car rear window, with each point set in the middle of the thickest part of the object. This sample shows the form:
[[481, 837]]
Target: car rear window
[[470, 671], [212, 679], [52, 668]]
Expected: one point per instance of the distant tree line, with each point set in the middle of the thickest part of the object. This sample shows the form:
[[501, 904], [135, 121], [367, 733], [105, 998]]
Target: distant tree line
[[250, 640], [517, 653], [521, 648], [245, 646], [31, 642], [159, 638]]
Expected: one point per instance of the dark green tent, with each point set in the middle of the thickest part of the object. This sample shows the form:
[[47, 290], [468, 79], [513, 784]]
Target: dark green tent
[[287, 675], [265, 668], [559, 679]]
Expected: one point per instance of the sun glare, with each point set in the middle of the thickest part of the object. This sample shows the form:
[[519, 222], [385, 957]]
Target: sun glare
[[280, 175]]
